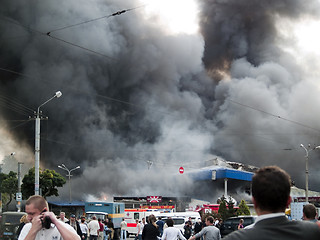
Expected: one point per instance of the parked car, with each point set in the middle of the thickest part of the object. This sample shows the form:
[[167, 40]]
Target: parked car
[[231, 224], [9, 224]]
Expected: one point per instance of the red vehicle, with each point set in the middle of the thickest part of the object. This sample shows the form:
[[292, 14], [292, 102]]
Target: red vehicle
[[210, 208]]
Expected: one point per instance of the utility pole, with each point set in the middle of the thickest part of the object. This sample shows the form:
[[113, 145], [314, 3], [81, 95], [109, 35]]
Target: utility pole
[[307, 167], [0, 192], [37, 145], [19, 194]]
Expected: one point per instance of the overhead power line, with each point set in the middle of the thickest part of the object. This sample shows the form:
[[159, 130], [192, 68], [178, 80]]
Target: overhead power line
[[55, 38], [273, 115], [93, 20]]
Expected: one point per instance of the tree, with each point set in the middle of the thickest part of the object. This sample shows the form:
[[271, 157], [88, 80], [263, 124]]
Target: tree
[[8, 186], [49, 181], [223, 211], [243, 208]]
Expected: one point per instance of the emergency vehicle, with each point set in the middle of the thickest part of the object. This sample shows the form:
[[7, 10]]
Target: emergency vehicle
[[130, 215], [210, 208]]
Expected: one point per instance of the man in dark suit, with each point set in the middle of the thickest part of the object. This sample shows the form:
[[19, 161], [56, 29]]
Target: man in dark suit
[[270, 196]]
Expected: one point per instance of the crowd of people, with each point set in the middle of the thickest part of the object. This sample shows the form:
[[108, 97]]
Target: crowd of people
[[270, 195], [40, 224]]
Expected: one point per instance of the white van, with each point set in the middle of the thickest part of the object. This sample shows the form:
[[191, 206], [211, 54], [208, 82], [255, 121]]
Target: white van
[[195, 216]]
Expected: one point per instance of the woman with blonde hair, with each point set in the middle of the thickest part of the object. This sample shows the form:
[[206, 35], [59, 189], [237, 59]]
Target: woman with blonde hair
[[150, 230], [23, 221]]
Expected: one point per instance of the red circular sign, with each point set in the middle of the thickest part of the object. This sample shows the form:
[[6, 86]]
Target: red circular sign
[[181, 170]]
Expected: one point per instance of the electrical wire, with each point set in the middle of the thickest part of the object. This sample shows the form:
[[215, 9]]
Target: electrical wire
[[31, 30], [273, 115], [95, 19], [15, 106]]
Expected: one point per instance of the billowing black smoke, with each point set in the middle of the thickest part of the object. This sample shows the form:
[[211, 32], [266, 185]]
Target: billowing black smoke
[[138, 103]]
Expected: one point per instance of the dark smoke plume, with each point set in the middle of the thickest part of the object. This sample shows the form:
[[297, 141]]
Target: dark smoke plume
[[142, 102]]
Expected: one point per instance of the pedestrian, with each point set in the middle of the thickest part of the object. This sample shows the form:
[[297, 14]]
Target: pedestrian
[[93, 227], [106, 231], [240, 225], [75, 224], [123, 227], [143, 223], [63, 217], [271, 196], [198, 227], [160, 224], [37, 210], [23, 221], [309, 213], [210, 232], [150, 230], [111, 228], [219, 224], [101, 230], [84, 228], [139, 230], [187, 230], [172, 233]]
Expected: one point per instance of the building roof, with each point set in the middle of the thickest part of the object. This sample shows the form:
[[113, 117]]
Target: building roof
[[67, 203], [217, 172]]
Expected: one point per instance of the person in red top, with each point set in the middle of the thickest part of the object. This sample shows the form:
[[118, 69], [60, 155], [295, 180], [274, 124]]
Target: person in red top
[[101, 229]]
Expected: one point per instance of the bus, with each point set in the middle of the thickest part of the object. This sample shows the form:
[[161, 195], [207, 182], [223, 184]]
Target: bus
[[103, 210]]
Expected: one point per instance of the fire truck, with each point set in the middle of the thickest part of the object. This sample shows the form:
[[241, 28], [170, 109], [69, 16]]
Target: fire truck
[[210, 208]]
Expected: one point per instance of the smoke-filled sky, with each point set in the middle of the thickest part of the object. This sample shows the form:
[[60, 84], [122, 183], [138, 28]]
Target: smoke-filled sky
[[163, 85]]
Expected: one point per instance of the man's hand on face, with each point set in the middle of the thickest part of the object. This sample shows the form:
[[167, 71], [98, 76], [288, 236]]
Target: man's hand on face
[[36, 223], [51, 215]]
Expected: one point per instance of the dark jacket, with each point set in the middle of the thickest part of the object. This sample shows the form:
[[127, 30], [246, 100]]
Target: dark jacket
[[150, 232], [78, 228], [278, 228]]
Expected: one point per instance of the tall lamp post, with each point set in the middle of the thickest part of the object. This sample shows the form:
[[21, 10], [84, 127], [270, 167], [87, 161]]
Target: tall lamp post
[[37, 144], [307, 166], [69, 175], [0, 191]]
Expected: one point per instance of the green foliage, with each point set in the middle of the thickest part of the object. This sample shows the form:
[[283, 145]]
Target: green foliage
[[49, 181], [8, 186], [243, 208], [223, 211]]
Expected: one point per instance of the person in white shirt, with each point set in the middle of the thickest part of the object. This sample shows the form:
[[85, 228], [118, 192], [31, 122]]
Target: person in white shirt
[[93, 227], [123, 233], [171, 233], [63, 217], [139, 231], [37, 210], [84, 228]]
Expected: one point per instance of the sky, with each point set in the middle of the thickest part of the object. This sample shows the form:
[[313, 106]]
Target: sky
[[160, 85]]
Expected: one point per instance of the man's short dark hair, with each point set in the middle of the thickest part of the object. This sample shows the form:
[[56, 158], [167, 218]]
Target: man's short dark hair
[[210, 219], [271, 188], [170, 222], [38, 202], [310, 211]]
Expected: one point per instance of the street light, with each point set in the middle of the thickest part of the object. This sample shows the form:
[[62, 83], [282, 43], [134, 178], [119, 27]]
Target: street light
[[69, 175], [37, 144], [307, 167]]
